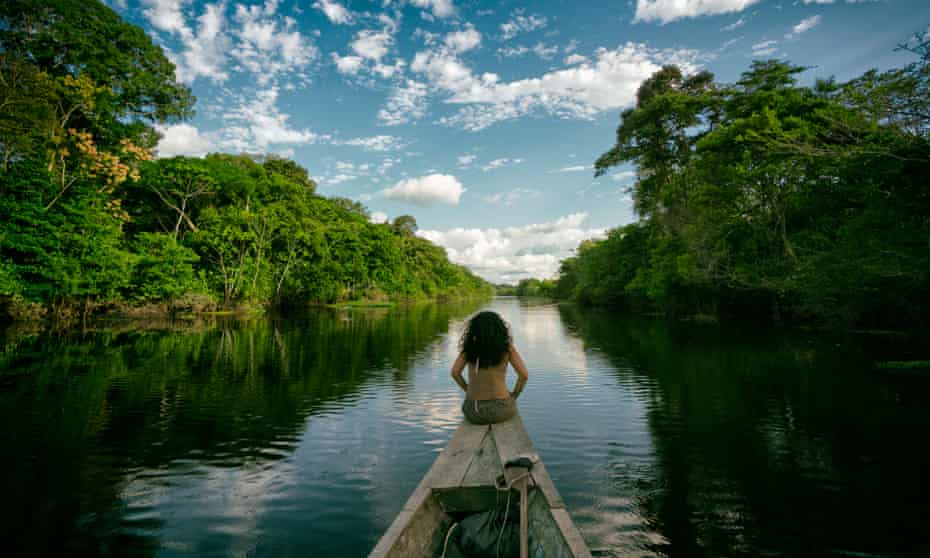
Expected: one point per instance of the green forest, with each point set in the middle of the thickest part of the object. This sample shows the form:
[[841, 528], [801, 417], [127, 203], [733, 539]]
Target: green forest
[[93, 222], [769, 199]]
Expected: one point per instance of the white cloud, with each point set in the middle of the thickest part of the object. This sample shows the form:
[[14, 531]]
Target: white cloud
[[581, 91], [269, 45], [540, 50], [735, 25], [378, 217], [576, 168], [513, 253], [372, 45], [764, 48], [507, 199], [254, 125], [374, 143], [407, 103], [575, 59], [205, 53], [261, 124], [439, 8], [520, 23], [347, 64], [166, 15], [497, 163], [336, 12], [463, 41], [182, 139], [804, 25], [466, 160], [369, 48], [670, 10], [427, 190], [261, 41], [338, 179]]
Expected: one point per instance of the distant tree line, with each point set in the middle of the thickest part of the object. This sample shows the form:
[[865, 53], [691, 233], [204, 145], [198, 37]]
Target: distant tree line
[[89, 218], [770, 199]]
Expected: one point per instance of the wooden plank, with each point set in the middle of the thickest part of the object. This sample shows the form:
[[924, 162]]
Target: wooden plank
[[450, 467], [485, 465], [414, 534], [571, 533], [512, 440]]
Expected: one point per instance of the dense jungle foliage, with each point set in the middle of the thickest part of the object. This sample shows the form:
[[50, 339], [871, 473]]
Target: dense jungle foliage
[[90, 218], [770, 199]]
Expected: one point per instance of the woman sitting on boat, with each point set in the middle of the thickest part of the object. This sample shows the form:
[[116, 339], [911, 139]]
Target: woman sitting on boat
[[487, 349]]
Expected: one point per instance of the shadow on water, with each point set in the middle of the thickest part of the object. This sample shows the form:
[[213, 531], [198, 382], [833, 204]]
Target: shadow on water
[[85, 415], [768, 445]]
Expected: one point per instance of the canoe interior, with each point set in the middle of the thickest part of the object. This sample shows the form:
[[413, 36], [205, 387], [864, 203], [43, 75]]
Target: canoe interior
[[463, 481]]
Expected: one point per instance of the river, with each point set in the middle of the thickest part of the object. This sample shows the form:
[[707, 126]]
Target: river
[[304, 436]]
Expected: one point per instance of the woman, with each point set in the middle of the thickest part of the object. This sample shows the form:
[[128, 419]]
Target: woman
[[487, 349]]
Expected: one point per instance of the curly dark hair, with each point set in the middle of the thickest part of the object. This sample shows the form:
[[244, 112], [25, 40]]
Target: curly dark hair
[[486, 339]]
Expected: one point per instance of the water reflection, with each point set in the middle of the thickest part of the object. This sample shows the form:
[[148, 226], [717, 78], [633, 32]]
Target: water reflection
[[305, 436], [145, 442], [767, 445]]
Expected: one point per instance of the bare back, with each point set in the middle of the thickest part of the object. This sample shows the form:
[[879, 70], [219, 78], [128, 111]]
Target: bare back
[[488, 383]]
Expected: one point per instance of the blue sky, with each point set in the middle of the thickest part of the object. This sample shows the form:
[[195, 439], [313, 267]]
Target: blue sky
[[480, 119]]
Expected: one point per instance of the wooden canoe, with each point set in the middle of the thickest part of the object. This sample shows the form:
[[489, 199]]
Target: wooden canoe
[[462, 480]]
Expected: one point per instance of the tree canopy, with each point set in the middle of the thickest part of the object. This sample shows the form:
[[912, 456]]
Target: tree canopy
[[766, 196], [89, 217]]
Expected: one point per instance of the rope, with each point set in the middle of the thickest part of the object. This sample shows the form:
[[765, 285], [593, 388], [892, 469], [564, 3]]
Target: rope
[[445, 545], [506, 511]]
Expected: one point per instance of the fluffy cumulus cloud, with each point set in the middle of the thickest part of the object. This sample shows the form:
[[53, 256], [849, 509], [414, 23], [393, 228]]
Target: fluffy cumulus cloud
[[369, 49], [439, 8], [334, 11], [182, 139], [513, 253], [463, 41], [803, 26], [580, 91], [254, 124], [427, 190], [378, 217], [256, 39], [263, 124], [407, 103], [665, 11], [575, 59], [165, 15], [270, 45]]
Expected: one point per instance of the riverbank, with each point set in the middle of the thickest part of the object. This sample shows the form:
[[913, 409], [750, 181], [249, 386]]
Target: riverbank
[[35, 316]]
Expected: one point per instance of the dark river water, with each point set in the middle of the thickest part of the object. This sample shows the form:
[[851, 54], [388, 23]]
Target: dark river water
[[303, 437]]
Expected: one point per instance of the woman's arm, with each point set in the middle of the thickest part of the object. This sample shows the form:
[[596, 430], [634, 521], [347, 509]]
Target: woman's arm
[[520, 367], [457, 368]]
